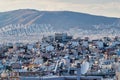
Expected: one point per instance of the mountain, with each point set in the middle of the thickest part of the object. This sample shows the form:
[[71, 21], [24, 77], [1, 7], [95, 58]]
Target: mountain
[[26, 25], [59, 20]]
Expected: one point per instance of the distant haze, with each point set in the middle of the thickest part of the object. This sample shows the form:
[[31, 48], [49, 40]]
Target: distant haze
[[109, 8]]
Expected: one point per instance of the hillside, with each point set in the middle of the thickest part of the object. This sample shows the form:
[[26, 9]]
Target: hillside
[[27, 25], [58, 19]]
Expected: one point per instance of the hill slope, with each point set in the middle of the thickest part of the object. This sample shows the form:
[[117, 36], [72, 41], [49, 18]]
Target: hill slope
[[58, 19], [26, 25]]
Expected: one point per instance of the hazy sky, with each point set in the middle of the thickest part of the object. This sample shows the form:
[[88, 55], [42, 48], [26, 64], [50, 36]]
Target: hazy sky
[[98, 7]]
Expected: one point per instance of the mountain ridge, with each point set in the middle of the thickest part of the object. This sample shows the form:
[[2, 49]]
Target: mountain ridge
[[35, 10], [55, 18], [27, 24], [59, 20]]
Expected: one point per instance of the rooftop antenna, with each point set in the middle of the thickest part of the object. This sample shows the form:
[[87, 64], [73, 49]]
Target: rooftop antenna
[[56, 66]]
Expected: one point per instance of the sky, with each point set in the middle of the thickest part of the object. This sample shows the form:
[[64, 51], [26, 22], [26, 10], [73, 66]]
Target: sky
[[109, 8]]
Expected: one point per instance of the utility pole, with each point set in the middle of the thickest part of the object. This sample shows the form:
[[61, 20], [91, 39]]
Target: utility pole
[[78, 71]]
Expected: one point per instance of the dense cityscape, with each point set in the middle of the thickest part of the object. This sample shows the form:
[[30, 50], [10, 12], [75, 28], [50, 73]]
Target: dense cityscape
[[61, 56], [59, 39]]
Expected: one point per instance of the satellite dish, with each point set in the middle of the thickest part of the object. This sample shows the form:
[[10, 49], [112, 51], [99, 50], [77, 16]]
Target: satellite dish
[[84, 67]]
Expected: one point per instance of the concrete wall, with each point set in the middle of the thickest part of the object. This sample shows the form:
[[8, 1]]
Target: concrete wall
[[37, 78], [62, 78]]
